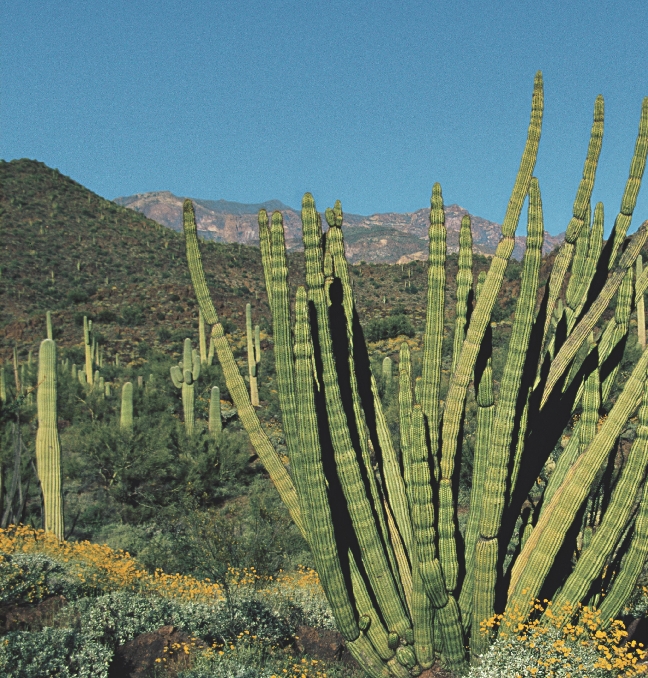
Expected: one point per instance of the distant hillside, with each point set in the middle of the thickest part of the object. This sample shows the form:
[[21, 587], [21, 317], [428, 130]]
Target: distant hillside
[[68, 250], [386, 238]]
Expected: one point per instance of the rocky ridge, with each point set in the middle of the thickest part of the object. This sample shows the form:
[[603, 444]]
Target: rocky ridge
[[380, 238]]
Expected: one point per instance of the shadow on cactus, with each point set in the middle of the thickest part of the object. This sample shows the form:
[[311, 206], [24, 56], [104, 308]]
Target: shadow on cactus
[[381, 520]]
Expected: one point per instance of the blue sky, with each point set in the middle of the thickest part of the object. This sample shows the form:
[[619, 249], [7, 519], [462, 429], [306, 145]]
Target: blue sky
[[369, 102]]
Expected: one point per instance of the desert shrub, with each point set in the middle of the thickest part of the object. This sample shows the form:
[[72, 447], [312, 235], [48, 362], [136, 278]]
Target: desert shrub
[[53, 652], [132, 315], [543, 648], [389, 328]]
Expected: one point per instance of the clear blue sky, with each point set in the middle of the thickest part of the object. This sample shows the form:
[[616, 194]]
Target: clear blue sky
[[369, 102]]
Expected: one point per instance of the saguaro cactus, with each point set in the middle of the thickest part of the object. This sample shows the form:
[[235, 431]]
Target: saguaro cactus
[[126, 419], [202, 339], [88, 340], [183, 376], [48, 322], [48, 446], [387, 371], [215, 421], [382, 530], [253, 357]]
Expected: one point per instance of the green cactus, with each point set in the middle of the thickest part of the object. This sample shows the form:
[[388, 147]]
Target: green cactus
[[202, 339], [88, 340], [126, 418], [387, 372], [48, 323], [641, 309], [464, 285], [382, 529], [215, 421], [253, 357], [183, 376], [3, 385], [48, 446]]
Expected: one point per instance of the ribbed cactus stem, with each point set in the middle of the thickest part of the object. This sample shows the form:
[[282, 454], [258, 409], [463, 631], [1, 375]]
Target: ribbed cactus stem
[[215, 421], [464, 285], [618, 513], [387, 372], [48, 322], [202, 338], [87, 342], [252, 359], [126, 419], [641, 308], [48, 446], [3, 385]]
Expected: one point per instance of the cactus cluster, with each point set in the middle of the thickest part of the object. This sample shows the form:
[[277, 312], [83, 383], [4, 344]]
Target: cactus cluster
[[381, 522]]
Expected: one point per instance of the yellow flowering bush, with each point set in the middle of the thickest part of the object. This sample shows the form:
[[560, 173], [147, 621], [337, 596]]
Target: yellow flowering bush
[[100, 569], [543, 647]]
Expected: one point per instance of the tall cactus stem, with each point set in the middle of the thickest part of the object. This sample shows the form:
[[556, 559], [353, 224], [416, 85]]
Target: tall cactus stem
[[215, 421], [641, 308], [48, 446], [202, 338], [464, 285], [252, 359], [126, 418]]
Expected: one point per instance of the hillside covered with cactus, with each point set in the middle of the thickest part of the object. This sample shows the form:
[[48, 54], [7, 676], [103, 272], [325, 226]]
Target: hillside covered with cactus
[[67, 250]]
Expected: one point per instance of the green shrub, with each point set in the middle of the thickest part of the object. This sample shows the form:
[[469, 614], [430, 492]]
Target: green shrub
[[389, 328]]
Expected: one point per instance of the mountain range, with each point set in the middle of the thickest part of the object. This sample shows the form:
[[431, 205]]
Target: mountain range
[[389, 238]]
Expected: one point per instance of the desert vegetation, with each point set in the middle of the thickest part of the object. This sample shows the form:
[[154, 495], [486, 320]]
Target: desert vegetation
[[443, 464]]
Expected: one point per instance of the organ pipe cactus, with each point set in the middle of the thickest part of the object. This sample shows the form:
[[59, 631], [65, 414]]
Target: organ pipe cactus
[[641, 309], [183, 376], [383, 530], [48, 446], [48, 323]]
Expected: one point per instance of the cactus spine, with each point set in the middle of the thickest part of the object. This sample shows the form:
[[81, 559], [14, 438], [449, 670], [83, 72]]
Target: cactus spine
[[48, 446], [126, 419], [253, 357], [184, 376]]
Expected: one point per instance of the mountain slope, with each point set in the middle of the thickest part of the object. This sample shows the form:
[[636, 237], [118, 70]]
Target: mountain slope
[[385, 238]]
